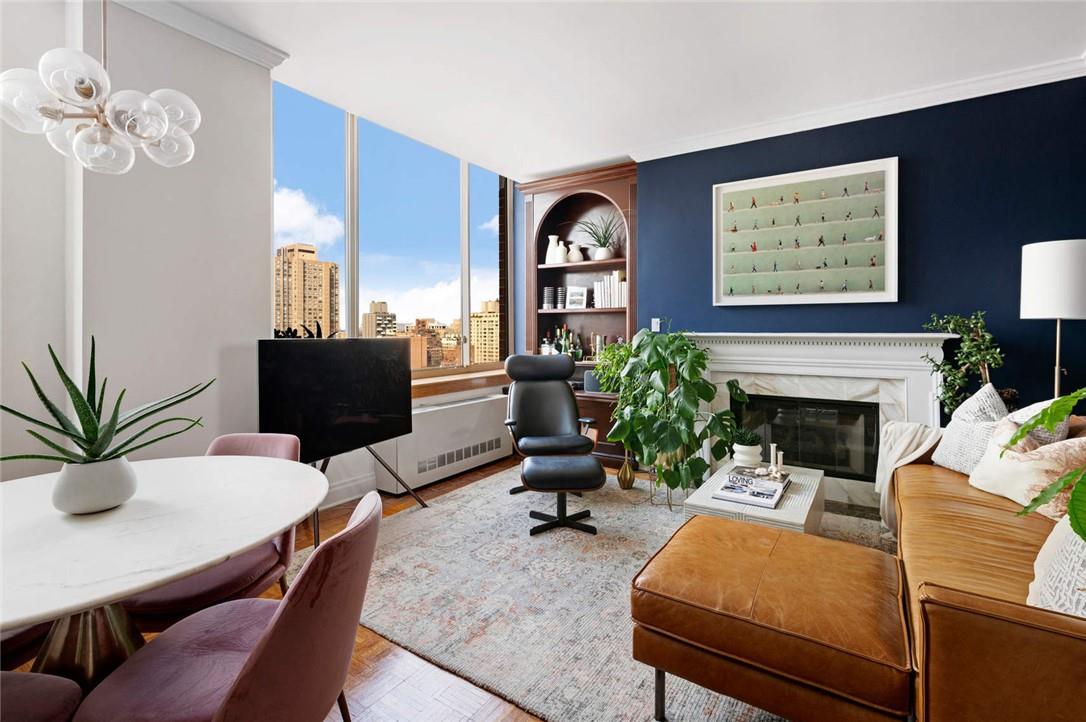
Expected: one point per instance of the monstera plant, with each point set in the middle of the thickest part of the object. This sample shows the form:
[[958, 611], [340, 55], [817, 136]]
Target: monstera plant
[[660, 417]]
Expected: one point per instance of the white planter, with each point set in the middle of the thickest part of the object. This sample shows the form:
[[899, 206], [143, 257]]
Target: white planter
[[747, 455], [87, 488], [601, 254]]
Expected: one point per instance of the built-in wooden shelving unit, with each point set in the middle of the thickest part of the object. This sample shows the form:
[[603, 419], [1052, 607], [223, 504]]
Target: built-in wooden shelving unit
[[553, 207]]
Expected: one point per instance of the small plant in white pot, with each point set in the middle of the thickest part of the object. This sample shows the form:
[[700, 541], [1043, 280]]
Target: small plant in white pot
[[747, 447], [96, 474], [602, 233]]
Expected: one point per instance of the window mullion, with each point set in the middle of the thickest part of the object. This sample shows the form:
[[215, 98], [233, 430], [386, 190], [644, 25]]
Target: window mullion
[[350, 243], [465, 267]]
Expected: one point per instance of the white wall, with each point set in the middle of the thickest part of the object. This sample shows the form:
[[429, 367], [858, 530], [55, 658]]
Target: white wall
[[32, 241], [176, 263]]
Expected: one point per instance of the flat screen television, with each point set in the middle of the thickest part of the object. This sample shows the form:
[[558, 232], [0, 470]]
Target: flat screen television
[[336, 395]]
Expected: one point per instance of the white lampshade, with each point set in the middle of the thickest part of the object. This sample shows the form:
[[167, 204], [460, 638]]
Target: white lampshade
[[1054, 280]]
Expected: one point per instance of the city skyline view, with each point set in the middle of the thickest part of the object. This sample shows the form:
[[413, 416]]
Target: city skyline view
[[408, 207]]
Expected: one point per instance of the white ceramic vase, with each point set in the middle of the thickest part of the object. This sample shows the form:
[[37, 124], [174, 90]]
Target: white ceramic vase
[[87, 488], [574, 254], [747, 455], [556, 252], [600, 253]]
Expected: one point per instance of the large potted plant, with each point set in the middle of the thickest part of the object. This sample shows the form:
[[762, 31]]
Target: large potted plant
[[96, 474], [660, 418]]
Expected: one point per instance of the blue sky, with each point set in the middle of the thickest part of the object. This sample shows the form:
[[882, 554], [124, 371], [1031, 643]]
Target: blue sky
[[408, 208]]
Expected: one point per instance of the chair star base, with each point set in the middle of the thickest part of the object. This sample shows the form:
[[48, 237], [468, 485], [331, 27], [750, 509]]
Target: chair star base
[[573, 521]]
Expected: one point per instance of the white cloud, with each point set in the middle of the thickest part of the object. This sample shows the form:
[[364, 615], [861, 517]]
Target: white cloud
[[439, 300], [299, 220], [491, 225]]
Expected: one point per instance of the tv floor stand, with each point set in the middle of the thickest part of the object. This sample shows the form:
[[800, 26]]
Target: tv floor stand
[[324, 468]]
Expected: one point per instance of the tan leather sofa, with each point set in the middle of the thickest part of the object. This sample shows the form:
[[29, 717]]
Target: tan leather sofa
[[815, 629]]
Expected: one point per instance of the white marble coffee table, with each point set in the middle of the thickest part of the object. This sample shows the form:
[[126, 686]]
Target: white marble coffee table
[[800, 508]]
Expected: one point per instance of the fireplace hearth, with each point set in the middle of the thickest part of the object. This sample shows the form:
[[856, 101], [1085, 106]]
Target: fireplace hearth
[[839, 437]]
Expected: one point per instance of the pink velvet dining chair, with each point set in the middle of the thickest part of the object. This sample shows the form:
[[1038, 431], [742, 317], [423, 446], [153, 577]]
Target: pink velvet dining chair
[[32, 697], [255, 659], [246, 575]]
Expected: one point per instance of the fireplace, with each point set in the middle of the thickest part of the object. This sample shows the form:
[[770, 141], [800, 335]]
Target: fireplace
[[839, 437]]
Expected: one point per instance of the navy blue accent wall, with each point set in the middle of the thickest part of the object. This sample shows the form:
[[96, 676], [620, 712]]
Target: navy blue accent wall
[[977, 180]]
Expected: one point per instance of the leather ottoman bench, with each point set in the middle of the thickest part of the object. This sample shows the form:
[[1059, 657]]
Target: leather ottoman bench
[[801, 626]]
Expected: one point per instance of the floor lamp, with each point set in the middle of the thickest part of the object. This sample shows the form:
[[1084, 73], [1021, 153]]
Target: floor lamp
[[1054, 286]]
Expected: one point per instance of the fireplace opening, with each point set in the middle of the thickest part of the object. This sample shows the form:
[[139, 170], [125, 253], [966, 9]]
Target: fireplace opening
[[840, 437]]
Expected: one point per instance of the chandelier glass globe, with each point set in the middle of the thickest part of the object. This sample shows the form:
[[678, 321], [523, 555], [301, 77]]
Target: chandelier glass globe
[[137, 116], [102, 150], [63, 136], [181, 112], [25, 104], [74, 77], [175, 149]]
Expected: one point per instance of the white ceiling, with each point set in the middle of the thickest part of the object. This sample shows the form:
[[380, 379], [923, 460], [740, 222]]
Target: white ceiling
[[530, 90]]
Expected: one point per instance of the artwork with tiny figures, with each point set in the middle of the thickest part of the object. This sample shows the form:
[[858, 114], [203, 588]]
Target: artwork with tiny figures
[[819, 236]]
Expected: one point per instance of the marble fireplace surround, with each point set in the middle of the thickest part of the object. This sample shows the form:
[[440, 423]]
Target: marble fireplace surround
[[884, 368]]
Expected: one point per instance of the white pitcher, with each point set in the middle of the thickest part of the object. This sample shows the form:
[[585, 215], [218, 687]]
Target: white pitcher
[[556, 253]]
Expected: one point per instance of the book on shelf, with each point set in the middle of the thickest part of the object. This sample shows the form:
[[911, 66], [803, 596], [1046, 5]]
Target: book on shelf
[[744, 485], [612, 291]]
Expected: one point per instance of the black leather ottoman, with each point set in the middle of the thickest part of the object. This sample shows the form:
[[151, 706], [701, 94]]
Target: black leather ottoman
[[561, 475]]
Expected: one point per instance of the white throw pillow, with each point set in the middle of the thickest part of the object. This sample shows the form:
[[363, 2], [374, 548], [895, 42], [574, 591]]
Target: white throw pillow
[[1041, 434], [1059, 572], [1023, 471], [971, 425]]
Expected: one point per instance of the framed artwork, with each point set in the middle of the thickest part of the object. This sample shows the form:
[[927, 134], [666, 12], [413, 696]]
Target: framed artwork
[[827, 235], [576, 297]]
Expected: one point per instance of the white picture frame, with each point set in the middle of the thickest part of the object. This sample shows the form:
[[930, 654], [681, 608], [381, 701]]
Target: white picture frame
[[813, 258], [576, 297]]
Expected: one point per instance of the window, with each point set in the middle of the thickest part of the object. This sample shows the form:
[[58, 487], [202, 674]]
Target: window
[[309, 166], [409, 244], [429, 238]]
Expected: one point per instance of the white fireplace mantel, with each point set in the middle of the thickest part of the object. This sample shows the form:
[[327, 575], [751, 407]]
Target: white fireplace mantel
[[886, 367]]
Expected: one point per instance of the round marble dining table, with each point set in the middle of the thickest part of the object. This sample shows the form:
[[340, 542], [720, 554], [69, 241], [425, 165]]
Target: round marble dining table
[[188, 514]]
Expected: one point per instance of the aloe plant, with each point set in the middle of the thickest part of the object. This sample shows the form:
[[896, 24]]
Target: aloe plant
[[95, 436], [603, 231]]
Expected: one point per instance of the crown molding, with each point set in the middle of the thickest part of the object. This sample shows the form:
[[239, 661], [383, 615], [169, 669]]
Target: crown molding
[[885, 105], [192, 23]]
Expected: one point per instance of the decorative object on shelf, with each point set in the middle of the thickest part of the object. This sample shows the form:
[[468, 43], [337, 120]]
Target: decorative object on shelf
[[561, 297], [747, 445], [576, 297], [827, 235], [556, 252], [659, 417], [69, 100], [96, 476], [1053, 287], [548, 298], [977, 354], [574, 255], [612, 291], [603, 233]]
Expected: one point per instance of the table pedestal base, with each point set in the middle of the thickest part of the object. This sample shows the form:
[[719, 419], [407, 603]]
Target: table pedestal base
[[86, 647]]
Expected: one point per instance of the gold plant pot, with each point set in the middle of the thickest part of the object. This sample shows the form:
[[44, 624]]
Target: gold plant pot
[[625, 475]]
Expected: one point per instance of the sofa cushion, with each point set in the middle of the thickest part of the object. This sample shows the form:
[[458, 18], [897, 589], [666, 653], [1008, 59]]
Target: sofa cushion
[[963, 538], [971, 425], [1041, 435], [823, 612], [1022, 472], [1059, 572]]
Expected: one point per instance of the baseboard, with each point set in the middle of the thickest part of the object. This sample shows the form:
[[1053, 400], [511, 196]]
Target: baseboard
[[342, 490]]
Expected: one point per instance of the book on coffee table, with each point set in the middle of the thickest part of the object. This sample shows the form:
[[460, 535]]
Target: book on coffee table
[[744, 485]]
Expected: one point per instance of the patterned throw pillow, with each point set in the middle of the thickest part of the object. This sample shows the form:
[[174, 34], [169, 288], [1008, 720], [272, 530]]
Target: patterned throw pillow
[[971, 425], [1041, 435], [1059, 580], [1027, 468]]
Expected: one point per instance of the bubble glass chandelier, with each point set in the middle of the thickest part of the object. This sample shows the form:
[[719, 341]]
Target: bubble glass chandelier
[[69, 100]]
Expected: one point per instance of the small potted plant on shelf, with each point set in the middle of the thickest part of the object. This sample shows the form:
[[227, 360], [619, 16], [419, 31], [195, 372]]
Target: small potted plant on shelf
[[748, 447], [660, 418], [96, 474], [603, 235]]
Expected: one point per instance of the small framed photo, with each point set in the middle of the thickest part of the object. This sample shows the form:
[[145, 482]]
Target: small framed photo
[[576, 297]]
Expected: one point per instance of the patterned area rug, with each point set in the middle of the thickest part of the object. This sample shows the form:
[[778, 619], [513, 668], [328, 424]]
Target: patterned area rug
[[542, 621]]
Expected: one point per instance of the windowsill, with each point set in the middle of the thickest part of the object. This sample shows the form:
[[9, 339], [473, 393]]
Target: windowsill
[[454, 382]]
